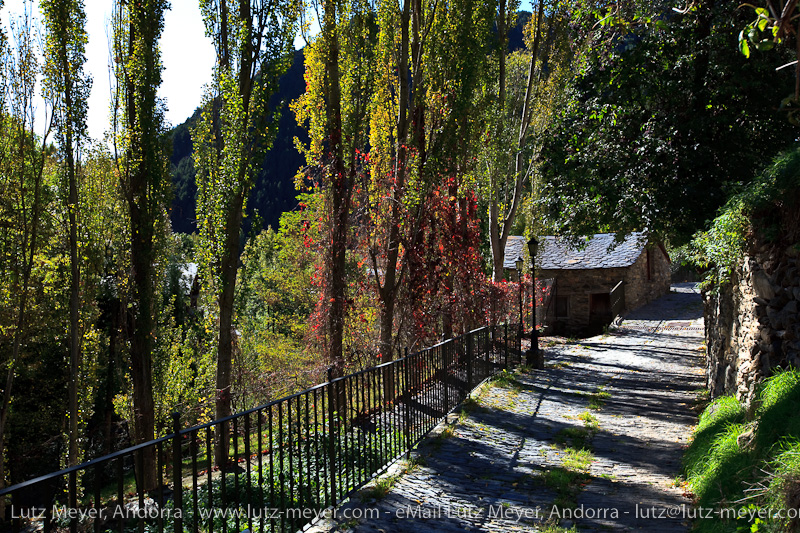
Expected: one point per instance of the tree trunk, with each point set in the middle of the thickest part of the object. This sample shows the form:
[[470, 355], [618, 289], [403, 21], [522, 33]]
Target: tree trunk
[[73, 457], [141, 340], [339, 193], [230, 263]]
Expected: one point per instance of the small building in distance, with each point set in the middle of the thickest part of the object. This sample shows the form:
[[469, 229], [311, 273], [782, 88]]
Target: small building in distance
[[585, 277]]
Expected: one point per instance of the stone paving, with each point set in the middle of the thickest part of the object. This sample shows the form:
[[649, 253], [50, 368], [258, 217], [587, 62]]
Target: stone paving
[[484, 472]]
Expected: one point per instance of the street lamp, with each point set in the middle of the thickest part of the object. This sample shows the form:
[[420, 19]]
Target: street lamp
[[534, 357], [519, 264]]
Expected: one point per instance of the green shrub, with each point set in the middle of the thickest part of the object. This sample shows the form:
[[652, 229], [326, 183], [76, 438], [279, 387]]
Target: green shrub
[[721, 247]]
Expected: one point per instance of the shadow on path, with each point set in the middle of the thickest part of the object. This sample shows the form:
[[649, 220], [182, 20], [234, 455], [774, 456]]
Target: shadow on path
[[486, 476]]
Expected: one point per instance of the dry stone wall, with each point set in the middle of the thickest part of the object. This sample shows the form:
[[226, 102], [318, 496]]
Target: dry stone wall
[[752, 324]]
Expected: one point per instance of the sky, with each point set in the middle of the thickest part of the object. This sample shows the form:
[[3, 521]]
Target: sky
[[186, 53]]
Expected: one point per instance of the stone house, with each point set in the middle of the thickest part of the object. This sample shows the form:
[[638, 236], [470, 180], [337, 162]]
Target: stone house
[[585, 276]]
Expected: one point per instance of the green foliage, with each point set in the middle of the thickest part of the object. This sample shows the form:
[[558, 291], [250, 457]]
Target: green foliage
[[748, 465], [660, 122], [275, 296], [721, 247]]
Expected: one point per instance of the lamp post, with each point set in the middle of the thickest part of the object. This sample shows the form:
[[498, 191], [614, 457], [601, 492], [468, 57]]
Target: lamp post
[[535, 358], [519, 264]]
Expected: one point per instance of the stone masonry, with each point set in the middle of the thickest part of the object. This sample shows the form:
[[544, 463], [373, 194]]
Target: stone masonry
[[752, 324]]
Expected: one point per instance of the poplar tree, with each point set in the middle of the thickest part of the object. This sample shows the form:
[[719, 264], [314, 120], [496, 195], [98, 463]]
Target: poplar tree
[[67, 87], [141, 164], [254, 48]]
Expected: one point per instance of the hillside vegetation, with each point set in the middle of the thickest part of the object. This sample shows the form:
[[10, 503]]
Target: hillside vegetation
[[744, 465]]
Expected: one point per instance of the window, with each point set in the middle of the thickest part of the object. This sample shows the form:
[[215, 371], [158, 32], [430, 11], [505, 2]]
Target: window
[[562, 306]]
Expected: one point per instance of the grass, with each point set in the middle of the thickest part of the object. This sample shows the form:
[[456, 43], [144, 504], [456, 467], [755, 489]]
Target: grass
[[380, 488], [507, 380], [598, 398], [573, 437], [748, 459], [577, 459], [383, 485], [553, 528], [576, 454], [589, 420]]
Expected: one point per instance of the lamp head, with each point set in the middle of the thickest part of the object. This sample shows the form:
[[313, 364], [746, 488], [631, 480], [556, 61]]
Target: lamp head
[[533, 248]]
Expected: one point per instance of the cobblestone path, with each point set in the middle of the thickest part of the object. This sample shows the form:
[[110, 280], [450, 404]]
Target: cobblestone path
[[486, 472]]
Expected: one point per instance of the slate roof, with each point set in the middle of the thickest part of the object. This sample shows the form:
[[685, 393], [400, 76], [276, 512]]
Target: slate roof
[[599, 252], [514, 250]]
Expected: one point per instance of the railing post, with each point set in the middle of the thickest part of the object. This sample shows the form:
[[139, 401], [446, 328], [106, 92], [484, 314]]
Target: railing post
[[407, 405], [445, 364], [177, 480], [469, 362], [505, 342], [73, 500], [331, 436]]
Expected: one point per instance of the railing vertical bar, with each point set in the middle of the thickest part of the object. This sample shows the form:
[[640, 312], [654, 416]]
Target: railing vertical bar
[[399, 408], [323, 454], [317, 456], [422, 394], [281, 477], [439, 379], [160, 462], [469, 364], [235, 470], [260, 451], [140, 490], [195, 506], [379, 406], [289, 449], [120, 492], [222, 432], [98, 472], [363, 445], [177, 478], [247, 469], [371, 403], [332, 436], [407, 407], [445, 376], [73, 500], [271, 470], [347, 433], [300, 484], [309, 500], [210, 477], [505, 343]]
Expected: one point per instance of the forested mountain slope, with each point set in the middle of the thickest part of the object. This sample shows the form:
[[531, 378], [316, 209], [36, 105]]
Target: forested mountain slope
[[274, 190]]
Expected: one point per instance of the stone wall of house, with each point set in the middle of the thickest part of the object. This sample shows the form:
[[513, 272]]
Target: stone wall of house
[[577, 285], [638, 289], [752, 323]]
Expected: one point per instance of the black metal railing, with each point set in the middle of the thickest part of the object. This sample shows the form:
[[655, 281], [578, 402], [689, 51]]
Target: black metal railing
[[288, 461]]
